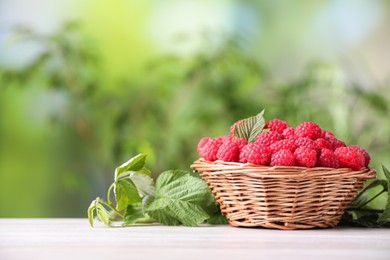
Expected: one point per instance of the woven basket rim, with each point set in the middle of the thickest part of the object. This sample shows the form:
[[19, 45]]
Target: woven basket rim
[[221, 167]]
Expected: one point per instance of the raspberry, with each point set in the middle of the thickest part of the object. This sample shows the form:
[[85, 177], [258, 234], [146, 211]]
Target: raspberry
[[283, 158], [255, 154], [362, 151], [234, 126], [349, 158], [336, 143], [288, 133], [328, 159], [228, 152], [305, 156], [209, 149], [322, 143], [201, 144], [325, 133], [308, 129], [224, 138], [240, 142], [283, 144], [276, 125], [306, 142], [268, 138]]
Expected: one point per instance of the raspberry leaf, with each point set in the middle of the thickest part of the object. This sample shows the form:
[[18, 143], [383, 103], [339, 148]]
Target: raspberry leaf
[[386, 213], [134, 214], [181, 199], [97, 207], [250, 128], [125, 194], [136, 163]]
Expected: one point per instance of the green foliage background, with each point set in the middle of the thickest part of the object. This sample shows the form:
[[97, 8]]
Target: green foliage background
[[65, 126]]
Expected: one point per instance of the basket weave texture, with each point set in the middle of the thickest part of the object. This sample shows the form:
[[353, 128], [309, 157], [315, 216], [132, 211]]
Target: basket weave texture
[[281, 197]]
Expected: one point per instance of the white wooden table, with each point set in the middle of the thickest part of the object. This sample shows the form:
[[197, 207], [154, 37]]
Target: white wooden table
[[75, 239]]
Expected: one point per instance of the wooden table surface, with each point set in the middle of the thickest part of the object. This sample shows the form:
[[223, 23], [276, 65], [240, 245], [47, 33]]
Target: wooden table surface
[[75, 239]]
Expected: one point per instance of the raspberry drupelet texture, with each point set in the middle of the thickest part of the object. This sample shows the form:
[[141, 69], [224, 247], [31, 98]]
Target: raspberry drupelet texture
[[201, 144], [363, 151], [283, 158], [325, 133], [327, 159], [224, 138], [288, 144], [305, 156], [268, 138], [289, 133], [350, 158], [255, 154], [336, 143], [240, 142], [228, 152], [308, 129], [322, 143], [306, 142], [276, 125], [209, 150]]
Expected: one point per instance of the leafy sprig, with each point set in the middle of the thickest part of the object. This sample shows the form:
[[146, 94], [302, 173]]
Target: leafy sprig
[[182, 198], [177, 198], [360, 213]]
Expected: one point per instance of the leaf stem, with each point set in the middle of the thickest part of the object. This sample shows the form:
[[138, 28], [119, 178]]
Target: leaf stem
[[114, 209], [109, 204], [366, 210], [374, 197], [109, 193]]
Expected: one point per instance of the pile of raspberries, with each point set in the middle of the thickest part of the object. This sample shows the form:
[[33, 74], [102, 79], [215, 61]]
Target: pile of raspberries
[[279, 144]]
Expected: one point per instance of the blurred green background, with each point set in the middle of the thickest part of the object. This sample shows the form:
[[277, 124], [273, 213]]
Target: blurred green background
[[86, 85]]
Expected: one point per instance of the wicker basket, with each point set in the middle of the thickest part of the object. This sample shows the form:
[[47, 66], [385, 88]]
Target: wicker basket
[[281, 197]]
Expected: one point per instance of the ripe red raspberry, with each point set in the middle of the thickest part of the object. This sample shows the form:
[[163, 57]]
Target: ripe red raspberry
[[255, 154], [228, 152], [240, 142], [276, 125], [268, 138], [201, 144], [283, 158], [349, 158], [288, 133], [325, 133], [209, 149], [328, 159], [322, 143], [224, 138], [233, 126], [306, 142], [306, 157], [362, 151], [336, 143], [308, 129], [283, 144]]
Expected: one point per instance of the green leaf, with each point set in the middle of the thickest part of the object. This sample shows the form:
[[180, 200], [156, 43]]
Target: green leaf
[[365, 195], [145, 171], [217, 219], [91, 210], [386, 214], [180, 199], [143, 183], [136, 163], [125, 194], [250, 128], [368, 220], [133, 214], [102, 214]]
